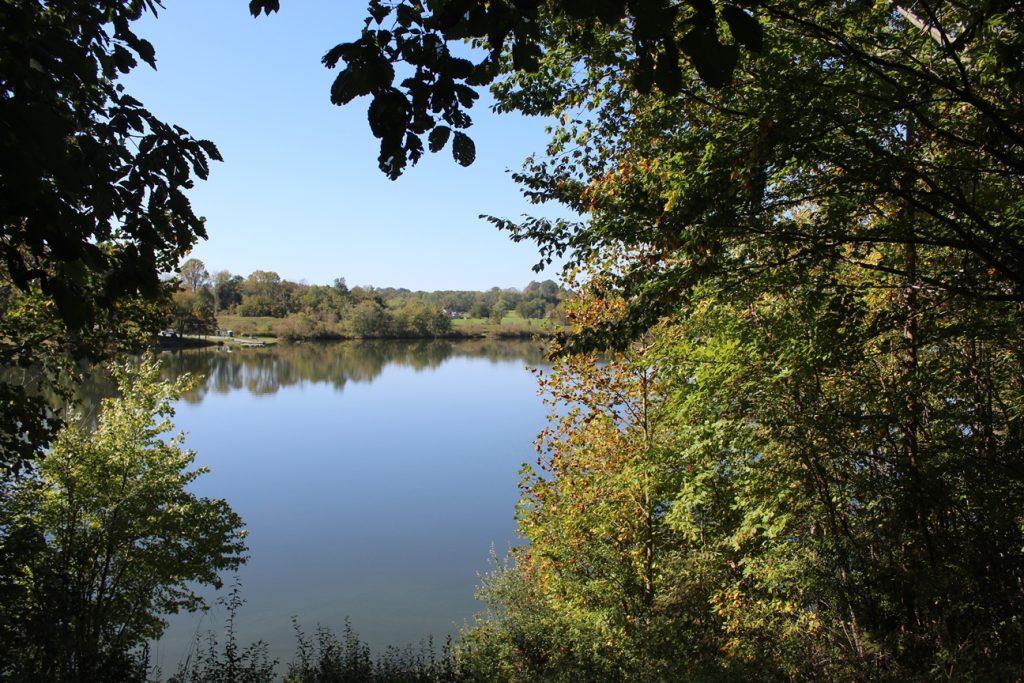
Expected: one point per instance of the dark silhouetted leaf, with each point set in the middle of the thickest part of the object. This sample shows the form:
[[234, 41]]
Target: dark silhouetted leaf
[[413, 147], [580, 9], [667, 73], [714, 61], [350, 84], [463, 149], [380, 72], [652, 19], [526, 56], [483, 73], [330, 59], [451, 14], [123, 59], [643, 73], [146, 52], [610, 11], [72, 306], [379, 11], [210, 149], [705, 12], [264, 6], [460, 69], [389, 113], [744, 28], [392, 158], [466, 95], [407, 16], [439, 138]]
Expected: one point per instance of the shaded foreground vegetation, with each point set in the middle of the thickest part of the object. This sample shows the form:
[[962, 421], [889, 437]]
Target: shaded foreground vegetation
[[325, 657], [105, 537]]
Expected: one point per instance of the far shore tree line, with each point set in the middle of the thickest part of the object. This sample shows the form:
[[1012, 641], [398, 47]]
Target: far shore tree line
[[335, 311]]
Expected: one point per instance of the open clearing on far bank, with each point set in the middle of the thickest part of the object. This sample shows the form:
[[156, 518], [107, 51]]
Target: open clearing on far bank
[[267, 328]]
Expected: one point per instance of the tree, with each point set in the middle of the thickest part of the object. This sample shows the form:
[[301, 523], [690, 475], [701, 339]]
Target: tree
[[265, 295], [532, 308], [194, 275], [194, 312], [227, 290], [765, 450], [803, 405], [369, 318], [852, 130], [594, 514], [418, 319], [479, 308], [323, 303], [92, 198], [122, 540], [498, 311], [546, 291]]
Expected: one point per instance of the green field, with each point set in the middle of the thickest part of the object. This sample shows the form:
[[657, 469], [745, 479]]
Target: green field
[[242, 326], [511, 325]]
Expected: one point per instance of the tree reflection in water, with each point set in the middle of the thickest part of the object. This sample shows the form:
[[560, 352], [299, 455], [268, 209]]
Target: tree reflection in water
[[266, 370]]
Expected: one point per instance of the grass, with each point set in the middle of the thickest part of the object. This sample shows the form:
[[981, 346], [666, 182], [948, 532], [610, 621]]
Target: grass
[[512, 325], [241, 326]]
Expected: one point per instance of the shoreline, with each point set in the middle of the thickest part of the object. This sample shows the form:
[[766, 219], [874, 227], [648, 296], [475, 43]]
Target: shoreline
[[207, 341]]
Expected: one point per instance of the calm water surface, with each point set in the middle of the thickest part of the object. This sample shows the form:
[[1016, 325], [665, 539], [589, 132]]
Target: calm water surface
[[374, 479]]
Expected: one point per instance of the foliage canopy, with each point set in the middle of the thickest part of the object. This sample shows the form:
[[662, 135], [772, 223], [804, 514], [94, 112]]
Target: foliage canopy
[[92, 200]]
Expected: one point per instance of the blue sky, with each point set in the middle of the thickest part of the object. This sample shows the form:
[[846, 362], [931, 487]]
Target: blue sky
[[299, 192]]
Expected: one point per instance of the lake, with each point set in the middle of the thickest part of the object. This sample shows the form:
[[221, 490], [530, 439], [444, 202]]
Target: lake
[[374, 479]]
